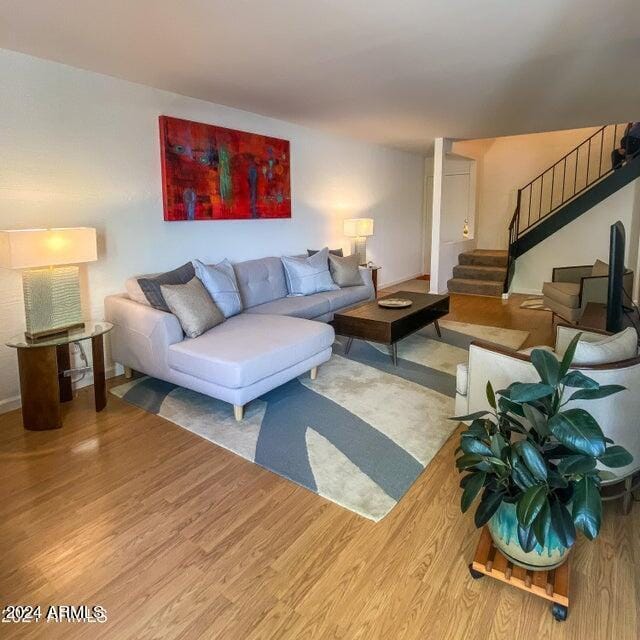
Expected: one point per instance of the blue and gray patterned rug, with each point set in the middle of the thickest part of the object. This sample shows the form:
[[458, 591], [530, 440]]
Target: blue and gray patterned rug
[[359, 435]]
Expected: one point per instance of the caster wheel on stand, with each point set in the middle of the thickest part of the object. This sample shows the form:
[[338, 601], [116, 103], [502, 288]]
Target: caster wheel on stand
[[559, 612], [476, 575]]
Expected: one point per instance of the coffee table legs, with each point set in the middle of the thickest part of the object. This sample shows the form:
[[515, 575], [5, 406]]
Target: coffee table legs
[[348, 346], [437, 326], [394, 353]]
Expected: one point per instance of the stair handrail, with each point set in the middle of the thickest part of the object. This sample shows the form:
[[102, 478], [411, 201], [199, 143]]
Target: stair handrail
[[515, 228]]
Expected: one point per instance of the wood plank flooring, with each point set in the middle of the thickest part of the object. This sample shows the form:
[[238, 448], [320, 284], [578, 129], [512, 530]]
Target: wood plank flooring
[[178, 538]]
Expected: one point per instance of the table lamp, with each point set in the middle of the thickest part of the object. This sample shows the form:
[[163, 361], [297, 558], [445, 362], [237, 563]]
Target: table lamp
[[359, 229], [50, 283]]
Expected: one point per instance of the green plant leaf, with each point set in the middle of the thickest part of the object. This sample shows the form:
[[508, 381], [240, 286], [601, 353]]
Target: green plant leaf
[[578, 430], [547, 366], [530, 503], [475, 446], [532, 458], [537, 419], [556, 481], [567, 359], [471, 489], [587, 507], [498, 443], [491, 396], [468, 460], [562, 524], [578, 380], [607, 476], [542, 523], [528, 391], [576, 464], [526, 538], [505, 405], [489, 504], [471, 416], [596, 394], [616, 456]]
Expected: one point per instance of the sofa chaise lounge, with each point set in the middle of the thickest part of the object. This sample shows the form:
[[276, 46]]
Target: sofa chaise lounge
[[275, 339]]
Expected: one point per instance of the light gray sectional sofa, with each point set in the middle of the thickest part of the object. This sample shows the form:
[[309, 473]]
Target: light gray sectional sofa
[[275, 339]]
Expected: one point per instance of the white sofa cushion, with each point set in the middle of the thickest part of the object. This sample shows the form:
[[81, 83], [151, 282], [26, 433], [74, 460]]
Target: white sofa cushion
[[308, 307], [462, 379], [249, 347], [596, 349]]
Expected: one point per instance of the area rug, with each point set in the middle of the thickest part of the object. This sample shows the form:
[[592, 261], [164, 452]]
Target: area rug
[[534, 303], [359, 435]]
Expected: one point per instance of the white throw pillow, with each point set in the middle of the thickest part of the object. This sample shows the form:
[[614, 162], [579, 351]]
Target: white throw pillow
[[306, 276], [596, 349], [220, 282]]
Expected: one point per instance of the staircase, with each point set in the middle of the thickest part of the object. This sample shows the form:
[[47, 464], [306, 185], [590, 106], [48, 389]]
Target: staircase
[[481, 272], [566, 190]]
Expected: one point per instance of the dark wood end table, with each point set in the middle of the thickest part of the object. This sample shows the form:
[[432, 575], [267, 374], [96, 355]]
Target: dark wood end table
[[45, 374], [374, 323]]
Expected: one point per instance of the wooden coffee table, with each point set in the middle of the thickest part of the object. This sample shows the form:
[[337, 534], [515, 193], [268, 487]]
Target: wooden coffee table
[[373, 323]]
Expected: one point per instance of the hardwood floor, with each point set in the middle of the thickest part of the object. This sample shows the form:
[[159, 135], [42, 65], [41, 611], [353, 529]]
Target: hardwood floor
[[178, 538]]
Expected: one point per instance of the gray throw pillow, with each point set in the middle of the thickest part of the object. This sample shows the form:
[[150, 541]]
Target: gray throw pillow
[[220, 281], [151, 286], [306, 276], [346, 271], [193, 307], [334, 252]]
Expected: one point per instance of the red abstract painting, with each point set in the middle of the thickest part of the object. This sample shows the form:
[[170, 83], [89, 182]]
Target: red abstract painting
[[213, 173]]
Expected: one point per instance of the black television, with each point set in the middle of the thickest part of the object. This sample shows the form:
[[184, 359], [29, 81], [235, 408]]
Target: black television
[[615, 293]]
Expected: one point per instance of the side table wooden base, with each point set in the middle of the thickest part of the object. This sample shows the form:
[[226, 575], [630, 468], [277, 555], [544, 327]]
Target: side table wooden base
[[552, 585], [44, 385]]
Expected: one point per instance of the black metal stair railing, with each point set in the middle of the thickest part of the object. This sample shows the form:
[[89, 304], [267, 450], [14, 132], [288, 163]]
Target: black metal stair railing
[[573, 174]]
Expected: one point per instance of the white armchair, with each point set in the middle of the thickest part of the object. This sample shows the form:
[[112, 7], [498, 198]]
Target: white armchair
[[618, 415]]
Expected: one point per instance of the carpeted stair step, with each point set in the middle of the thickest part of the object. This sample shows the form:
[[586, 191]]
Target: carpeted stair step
[[474, 272], [484, 258], [475, 287]]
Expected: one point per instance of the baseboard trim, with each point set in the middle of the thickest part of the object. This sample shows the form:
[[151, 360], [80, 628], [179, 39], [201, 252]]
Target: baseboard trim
[[10, 404], [393, 283], [14, 402]]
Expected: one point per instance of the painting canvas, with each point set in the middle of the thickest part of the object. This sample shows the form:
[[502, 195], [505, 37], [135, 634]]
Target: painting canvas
[[213, 173]]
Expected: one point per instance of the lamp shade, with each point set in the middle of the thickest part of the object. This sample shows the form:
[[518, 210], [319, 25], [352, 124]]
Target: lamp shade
[[358, 227], [27, 248]]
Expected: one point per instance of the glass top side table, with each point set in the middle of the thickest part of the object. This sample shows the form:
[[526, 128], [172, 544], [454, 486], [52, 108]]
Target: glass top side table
[[45, 373]]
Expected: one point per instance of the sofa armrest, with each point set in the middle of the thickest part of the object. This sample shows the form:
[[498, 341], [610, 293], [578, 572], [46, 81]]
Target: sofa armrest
[[142, 335], [571, 274], [499, 365]]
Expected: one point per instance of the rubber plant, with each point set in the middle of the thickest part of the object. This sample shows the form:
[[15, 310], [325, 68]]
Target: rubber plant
[[535, 452]]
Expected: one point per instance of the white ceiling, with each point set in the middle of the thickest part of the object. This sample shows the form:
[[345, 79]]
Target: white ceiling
[[396, 72]]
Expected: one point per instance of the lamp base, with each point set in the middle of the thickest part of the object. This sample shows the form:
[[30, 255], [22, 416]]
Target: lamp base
[[359, 247], [51, 301], [49, 333]]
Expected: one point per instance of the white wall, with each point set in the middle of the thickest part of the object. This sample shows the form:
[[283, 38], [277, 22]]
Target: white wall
[[583, 241], [506, 164], [456, 194], [78, 148]]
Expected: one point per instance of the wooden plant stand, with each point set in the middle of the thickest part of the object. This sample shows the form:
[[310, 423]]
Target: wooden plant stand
[[553, 585]]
